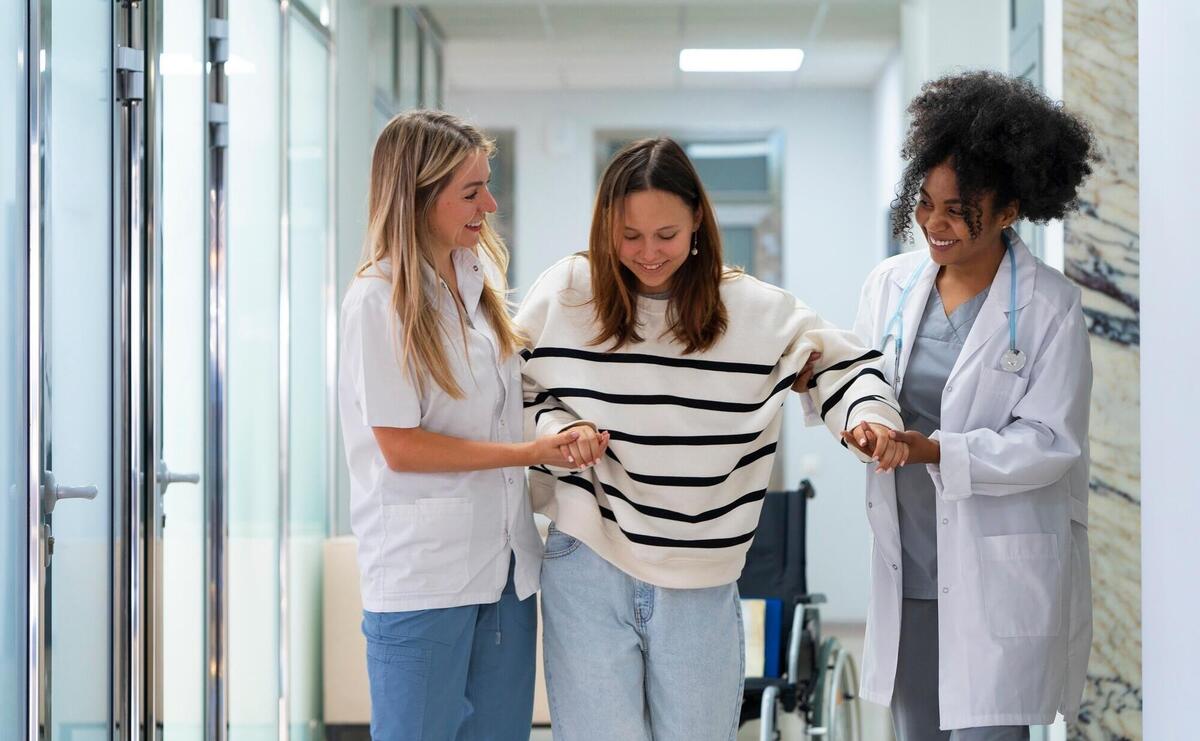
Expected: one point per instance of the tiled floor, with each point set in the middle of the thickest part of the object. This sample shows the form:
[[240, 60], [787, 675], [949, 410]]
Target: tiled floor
[[877, 725]]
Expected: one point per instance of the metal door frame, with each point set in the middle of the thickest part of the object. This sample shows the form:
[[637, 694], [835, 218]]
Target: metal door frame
[[127, 483]]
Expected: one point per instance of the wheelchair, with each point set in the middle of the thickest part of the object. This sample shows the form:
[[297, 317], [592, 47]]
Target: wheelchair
[[818, 678]]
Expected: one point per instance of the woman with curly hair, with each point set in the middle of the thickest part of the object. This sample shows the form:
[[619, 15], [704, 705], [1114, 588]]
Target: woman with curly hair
[[980, 617]]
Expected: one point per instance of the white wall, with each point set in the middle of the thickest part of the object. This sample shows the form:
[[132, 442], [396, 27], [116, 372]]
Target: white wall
[[888, 106], [1170, 158], [830, 229], [942, 36]]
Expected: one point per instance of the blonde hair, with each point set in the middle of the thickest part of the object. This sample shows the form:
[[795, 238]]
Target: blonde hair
[[415, 157]]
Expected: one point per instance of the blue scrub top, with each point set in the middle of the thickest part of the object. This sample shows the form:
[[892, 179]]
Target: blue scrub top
[[939, 339]]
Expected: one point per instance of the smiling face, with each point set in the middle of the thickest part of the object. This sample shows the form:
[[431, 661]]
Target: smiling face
[[942, 216], [655, 237], [459, 210]]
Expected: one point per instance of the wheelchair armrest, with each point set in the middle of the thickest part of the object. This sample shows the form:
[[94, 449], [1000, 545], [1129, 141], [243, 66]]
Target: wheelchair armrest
[[811, 599]]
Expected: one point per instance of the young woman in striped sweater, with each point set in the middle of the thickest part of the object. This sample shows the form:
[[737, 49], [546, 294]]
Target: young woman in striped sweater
[[650, 346]]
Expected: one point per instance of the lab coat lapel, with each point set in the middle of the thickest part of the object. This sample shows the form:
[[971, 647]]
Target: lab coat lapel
[[993, 315], [914, 309]]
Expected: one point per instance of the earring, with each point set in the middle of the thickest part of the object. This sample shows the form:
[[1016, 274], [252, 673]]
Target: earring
[[695, 250]]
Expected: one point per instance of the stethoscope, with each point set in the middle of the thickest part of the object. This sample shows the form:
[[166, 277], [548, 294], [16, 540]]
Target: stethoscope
[[1013, 360]]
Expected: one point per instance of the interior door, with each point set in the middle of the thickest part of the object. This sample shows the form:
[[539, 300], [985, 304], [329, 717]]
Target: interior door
[[79, 348], [178, 360]]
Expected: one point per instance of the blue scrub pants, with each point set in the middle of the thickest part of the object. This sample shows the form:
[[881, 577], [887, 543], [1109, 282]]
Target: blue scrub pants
[[461, 673]]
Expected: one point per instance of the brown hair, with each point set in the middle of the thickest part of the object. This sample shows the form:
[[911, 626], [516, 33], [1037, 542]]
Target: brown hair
[[415, 157], [696, 316]]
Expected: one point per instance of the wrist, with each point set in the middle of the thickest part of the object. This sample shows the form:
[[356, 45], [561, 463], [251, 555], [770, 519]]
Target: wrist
[[523, 454]]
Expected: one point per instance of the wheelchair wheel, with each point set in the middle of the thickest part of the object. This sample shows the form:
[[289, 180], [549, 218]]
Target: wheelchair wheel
[[836, 711]]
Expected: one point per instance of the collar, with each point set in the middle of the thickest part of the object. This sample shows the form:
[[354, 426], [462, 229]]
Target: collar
[[469, 273], [1026, 271]]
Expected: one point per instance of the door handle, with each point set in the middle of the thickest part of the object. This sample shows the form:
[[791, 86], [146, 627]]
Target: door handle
[[166, 476], [53, 492]]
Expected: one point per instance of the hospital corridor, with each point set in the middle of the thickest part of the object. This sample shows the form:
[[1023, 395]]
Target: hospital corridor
[[838, 389]]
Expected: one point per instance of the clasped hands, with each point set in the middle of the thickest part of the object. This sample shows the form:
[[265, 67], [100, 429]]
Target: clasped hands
[[890, 448]]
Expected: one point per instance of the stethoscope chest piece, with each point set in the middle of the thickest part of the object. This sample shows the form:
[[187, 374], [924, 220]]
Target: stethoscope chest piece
[[1013, 360]]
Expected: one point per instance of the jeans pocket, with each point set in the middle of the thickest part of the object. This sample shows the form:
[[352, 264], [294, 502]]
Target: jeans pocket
[[1022, 579], [559, 544]]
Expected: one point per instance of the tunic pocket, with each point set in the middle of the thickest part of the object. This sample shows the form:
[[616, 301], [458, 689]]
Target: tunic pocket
[[426, 546], [1022, 584]]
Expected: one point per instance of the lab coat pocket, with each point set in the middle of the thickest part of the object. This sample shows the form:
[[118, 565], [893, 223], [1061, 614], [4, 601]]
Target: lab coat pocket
[[426, 546], [995, 397], [1022, 578]]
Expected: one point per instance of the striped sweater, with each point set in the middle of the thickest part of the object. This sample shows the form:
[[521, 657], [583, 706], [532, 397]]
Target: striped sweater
[[676, 499]]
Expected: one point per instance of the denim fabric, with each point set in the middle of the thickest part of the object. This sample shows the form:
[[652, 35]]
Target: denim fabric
[[631, 661]]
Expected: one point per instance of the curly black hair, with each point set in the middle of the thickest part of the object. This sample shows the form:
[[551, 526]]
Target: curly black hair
[[1002, 135]]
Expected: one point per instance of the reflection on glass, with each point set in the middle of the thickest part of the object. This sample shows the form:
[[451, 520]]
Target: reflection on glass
[[253, 371], [78, 351], [431, 72], [12, 375], [182, 362], [410, 61], [383, 50], [308, 223]]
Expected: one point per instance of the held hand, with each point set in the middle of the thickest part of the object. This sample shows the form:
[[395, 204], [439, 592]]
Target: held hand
[[806, 373], [921, 448], [876, 441], [586, 449], [550, 449]]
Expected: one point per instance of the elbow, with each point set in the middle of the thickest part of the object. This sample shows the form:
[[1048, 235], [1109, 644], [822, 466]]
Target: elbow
[[396, 463]]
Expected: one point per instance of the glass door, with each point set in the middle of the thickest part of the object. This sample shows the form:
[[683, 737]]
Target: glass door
[[179, 357], [14, 460], [79, 426]]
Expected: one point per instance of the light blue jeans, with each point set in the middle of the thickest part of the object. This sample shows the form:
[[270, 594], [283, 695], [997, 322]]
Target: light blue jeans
[[631, 661], [461, 673]]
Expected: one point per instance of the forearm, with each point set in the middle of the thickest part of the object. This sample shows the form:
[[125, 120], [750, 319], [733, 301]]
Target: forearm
[[415, 450], [1020, 458]]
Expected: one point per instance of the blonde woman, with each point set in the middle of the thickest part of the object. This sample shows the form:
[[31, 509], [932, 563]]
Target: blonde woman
[[430, 397]]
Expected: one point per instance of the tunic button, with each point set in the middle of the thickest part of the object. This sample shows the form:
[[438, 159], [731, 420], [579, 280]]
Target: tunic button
[[475, 268], [945, 590], [510, 481], [945, 521], [870, 505], [895, 567]]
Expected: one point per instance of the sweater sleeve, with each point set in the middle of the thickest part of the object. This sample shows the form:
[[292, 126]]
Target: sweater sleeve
[[544, 413], [848, 387]]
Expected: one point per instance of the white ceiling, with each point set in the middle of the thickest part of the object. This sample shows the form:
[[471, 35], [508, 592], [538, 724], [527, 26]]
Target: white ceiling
[[593, 44]]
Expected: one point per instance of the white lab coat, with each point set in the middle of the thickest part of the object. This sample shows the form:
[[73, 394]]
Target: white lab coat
[[1014, 607]]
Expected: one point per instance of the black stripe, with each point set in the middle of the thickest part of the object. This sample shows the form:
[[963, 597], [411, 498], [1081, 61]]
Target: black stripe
[[683, 401], [745, 460], [538, 399], [748, 437], [672, 362], [666, 514], [538, 416], [868, 355], [860, 400], [659, 541], [655, 540], [525, 354], [833, 400]]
